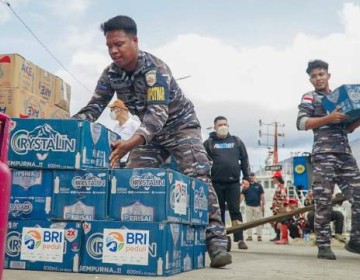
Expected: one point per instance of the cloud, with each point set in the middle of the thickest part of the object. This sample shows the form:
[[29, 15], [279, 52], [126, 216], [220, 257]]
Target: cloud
[[68, 8], [248, 83], [4, 13]]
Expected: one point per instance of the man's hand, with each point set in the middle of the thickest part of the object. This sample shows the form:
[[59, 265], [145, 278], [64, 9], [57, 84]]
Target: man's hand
[[245, 184], [122, 147], [336, 116], [119, 149]]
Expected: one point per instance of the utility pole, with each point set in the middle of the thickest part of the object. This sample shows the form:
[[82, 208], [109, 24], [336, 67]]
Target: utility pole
[[271, 138]]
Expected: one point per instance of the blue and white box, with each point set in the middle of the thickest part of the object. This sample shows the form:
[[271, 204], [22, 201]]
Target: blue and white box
[[149, 195], [58, 144], [80, 195], [199, 202], [187, 247], [96, 147], [43, 245], [146, 249], [347, 97], [199, 247], [31, 194]]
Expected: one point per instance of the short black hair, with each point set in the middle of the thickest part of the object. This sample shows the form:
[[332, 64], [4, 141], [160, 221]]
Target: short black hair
[[219, 118], [317, 63], [125, 23]]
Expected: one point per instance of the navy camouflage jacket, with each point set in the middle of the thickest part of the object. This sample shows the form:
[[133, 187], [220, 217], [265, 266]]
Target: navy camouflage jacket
[[150, 92], [331, 138]]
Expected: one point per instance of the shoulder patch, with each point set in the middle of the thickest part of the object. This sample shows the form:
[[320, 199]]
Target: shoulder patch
[[150, 78], [307, 98]]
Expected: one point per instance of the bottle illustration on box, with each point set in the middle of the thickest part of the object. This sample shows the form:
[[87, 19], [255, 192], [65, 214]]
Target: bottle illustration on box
[[113, 184], [159, 266], [56, 184]]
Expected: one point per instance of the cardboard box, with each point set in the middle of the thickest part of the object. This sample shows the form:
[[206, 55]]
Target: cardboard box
[[31, 194], [347, 97], [55, 112], [80, 195], [16, 72], [199, 247], [44, 85], [199, 202], [187, 247], [43, 245], [149, 195], [58, 144], [16, 102], [146, 249], [62, 94]]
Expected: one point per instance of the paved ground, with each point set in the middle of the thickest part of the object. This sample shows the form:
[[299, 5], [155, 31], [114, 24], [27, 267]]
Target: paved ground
[[263, 260]]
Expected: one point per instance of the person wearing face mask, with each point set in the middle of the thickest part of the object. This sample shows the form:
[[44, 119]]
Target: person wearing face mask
[[229, 158], [126, 123]]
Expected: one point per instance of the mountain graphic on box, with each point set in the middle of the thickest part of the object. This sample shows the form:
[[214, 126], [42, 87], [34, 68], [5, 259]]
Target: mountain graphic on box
[[44, 131]]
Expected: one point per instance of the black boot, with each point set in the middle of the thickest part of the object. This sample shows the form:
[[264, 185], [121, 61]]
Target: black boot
[[326, 253], [352, 247]]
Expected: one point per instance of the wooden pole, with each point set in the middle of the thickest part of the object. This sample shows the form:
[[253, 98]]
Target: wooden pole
[[277, 218]]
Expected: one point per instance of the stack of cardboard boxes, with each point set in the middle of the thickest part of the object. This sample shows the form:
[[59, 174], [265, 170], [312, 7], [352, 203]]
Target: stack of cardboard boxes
[[69, 212], [27, 90]]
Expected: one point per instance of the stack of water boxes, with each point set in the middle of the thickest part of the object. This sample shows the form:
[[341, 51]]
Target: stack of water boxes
[[157, 228], [59, 178], [70, 212]]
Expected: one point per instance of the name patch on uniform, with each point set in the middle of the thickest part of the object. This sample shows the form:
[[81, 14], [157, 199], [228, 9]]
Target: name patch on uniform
[[156, 94]]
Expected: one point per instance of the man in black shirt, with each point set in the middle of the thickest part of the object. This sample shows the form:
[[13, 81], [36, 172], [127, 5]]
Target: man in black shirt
[[229, 159]]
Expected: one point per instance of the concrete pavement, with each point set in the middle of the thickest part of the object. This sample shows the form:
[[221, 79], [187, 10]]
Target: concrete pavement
[[263, 260]]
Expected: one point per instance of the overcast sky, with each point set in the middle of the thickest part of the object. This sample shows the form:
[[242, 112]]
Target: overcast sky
[[246, 58]]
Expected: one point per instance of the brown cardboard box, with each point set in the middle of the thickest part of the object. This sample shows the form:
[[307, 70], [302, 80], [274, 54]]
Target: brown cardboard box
[[54, 112], [15, 71], [62, 94], [17, 103], [44, 85]]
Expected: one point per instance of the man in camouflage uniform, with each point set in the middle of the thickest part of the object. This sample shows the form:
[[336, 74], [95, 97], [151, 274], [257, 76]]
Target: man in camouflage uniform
[[332, 160], [168, 121]]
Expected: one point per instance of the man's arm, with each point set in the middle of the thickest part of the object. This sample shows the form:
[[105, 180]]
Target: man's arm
[[334, 117], [98, 102], [244, 160], [306, 120]]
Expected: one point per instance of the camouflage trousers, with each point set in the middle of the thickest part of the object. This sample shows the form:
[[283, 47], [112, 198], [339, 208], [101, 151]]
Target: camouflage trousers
[[187, 147], [328, 170]]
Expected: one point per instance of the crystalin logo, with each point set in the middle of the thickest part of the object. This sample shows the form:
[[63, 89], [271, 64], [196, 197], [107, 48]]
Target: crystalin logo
[[114, 241], [32, 239]]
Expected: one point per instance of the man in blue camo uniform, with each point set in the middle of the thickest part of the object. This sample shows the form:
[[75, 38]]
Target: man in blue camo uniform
[[169, 125], [332, 160]]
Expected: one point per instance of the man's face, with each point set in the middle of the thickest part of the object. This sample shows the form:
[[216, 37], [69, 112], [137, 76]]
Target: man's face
[[221, 128], [123, 49], [252, 178], [319, 78]]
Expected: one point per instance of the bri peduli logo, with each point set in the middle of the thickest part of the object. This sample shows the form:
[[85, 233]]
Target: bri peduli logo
[[32, 239], [114, 241]]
